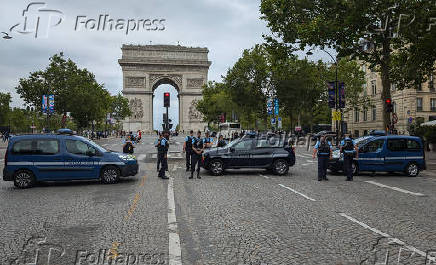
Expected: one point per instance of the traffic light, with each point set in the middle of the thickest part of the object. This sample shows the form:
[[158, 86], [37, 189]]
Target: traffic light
[[166, 100], [389, 106]]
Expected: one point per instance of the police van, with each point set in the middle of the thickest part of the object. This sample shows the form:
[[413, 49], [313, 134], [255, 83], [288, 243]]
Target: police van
[[391, 153], [63, 157]]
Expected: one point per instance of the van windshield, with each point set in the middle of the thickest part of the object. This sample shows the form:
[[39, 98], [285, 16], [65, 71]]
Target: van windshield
[[96, 146]]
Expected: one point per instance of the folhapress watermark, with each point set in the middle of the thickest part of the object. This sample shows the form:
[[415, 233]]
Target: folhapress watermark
[[106, 23], [38, 20]]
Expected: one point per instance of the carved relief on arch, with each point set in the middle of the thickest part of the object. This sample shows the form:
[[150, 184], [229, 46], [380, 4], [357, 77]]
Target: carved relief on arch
[[135, 106], [177, 79], [194, 114]]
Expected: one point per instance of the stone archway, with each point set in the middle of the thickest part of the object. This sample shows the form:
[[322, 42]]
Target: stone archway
[[145, 67]]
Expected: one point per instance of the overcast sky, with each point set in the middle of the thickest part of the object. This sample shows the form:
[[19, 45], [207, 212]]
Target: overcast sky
[[226, 27]]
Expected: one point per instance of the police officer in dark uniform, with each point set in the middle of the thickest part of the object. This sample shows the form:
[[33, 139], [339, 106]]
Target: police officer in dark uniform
[[197, 150], [221, 142], [207, 141], [350, 150], [323, 149], [187, 148], [162, 155], [159, 149]]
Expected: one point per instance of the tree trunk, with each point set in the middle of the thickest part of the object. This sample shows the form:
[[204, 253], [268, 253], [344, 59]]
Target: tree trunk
[[386, 82]]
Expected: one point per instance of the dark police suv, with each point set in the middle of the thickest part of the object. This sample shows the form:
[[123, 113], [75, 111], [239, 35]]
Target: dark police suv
[[63, 157], [267, 152]]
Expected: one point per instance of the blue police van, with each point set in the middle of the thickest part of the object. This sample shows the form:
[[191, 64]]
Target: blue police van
[[391, 153], [63, 157]]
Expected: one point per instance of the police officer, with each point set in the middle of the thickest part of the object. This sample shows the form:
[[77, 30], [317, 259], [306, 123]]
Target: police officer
[[323, 149], [197, 150], [221, 142], [162, 154], [207, 141], [350, 150], [187, 148], [159, 153]]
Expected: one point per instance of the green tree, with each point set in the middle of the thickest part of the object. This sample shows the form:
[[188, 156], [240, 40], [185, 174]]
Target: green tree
[[216, 101], [248, 84], [120, 107], [75, 90], [363, 29], [5, 100]]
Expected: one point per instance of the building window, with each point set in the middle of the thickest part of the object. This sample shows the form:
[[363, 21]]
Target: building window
[[374, 87], [418, 104], [356, 115], [433, 104], [365, 90], [365, 132], [419, 87], [394, 106], [374, 113], [431, 83], [365, 115], [356, 134]]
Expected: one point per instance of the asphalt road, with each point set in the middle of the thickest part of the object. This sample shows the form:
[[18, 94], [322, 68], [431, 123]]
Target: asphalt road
[[243, 217]]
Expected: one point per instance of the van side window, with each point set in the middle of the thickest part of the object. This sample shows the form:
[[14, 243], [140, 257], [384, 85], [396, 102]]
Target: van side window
[[396, 145], [374, 146], [23, 147], [47, 147], [413, 145], [76, 147]]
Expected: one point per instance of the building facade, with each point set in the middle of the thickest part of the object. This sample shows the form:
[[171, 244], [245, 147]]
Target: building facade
[[409, 105]]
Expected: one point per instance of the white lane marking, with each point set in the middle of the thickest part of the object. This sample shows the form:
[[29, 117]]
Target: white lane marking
[[310, 161], [264, 176], [394, 188], [306, 164], [299, 193], [303, 156], [390, 238], [174, 250], [175, 167]]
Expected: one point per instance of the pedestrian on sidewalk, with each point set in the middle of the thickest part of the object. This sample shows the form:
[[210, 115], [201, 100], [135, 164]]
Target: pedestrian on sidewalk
[[197, 148], [187, 148], [322, 149], [350, 151]]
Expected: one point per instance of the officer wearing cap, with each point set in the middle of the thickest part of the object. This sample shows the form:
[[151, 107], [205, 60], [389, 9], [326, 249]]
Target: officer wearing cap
[[207, 141], [322, 149], [350, 151]]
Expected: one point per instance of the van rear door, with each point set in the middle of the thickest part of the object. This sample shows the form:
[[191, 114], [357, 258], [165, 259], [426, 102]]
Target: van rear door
[[415, 152]]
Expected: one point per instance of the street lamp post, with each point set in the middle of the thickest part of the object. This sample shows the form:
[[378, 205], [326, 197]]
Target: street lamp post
[[336, 91]]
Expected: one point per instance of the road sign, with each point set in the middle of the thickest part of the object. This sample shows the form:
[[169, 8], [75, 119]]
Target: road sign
[[336, 115], [410, 119], [273, 121], [276, 106], [280, 123], [269, 106]]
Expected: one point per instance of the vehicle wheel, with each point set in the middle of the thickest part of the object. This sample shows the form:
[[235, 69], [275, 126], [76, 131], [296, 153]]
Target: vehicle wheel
[[216, 167], [110, 175], [412, 170], [24, 179], [355, 168], [280, 167]]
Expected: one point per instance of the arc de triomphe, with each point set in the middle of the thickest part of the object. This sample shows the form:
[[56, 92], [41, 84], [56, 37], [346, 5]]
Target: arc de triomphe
[[145, 67]]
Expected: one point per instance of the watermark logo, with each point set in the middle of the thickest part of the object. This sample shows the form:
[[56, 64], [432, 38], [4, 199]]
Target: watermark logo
[[37, 250], [37, 20]]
